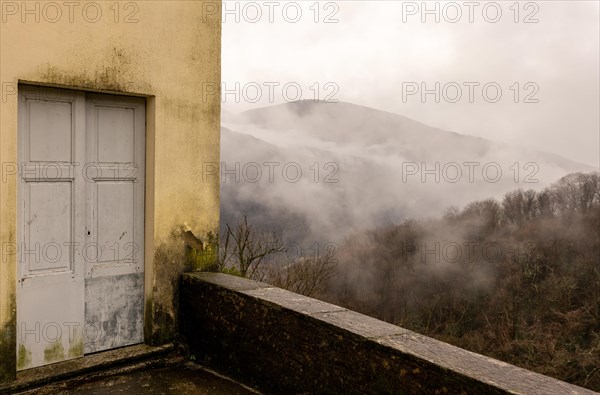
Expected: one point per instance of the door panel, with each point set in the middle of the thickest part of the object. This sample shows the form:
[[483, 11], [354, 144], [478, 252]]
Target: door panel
[[50, 131], [115, 124], [115, 221], [50, 289], [48, 210]]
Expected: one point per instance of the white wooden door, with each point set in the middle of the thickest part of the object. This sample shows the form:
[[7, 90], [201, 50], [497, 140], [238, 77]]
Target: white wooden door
[[80, 219], [114, 274], [51, 218]]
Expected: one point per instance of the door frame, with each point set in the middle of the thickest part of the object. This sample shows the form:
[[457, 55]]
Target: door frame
[[149, 188]]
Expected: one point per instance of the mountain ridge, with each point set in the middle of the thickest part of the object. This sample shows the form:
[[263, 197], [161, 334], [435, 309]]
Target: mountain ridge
[[280, 115]]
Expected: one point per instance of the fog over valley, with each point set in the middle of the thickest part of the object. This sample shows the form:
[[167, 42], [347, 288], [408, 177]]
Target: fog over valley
[[319, 171]]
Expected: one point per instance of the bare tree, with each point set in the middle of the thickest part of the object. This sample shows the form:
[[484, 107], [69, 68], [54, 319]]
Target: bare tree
[[259, 255], [577, 192], [245, 248]]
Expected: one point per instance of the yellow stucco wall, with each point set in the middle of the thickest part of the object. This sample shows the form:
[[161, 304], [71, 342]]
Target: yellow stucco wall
[[165, 50]]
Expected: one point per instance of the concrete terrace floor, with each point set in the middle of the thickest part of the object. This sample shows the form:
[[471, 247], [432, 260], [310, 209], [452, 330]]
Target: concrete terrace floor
[[132, 370], [187, 378]]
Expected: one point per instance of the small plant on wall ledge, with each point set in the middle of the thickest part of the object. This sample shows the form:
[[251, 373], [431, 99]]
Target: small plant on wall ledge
[[203, 256]]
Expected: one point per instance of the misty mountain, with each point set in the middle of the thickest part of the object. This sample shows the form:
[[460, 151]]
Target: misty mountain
[[319, 171]]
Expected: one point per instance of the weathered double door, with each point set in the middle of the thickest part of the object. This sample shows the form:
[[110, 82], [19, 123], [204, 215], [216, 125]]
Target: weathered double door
[[81, 224]]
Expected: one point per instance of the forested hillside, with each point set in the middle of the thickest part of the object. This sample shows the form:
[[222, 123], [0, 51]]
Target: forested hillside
[[516, 279]]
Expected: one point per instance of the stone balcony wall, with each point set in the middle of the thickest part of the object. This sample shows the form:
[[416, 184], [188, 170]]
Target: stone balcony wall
[[286, 343]]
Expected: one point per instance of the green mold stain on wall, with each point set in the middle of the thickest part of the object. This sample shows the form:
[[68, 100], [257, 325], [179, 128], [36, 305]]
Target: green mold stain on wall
[[115, 74], [76, 348], [8, 347], [23, 357], [182, 252], [54, 352]]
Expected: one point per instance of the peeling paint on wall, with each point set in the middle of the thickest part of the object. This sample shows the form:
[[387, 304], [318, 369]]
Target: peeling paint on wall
[[182, 252], [169, 263]]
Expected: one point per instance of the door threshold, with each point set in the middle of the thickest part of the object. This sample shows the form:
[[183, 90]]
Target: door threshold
[[88, 364]]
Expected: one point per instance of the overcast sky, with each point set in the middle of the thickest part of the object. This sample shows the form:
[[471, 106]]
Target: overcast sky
[[381, 54]]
